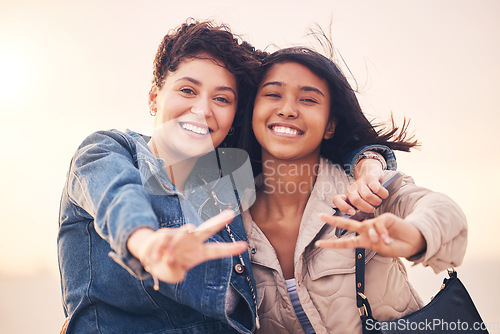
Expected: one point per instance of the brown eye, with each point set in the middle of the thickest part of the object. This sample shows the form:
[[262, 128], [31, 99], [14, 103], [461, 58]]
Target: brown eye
[[222, 99], [188, 91]]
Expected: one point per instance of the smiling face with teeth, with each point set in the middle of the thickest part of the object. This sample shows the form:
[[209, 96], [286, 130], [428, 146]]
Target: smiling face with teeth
[[291, 113], [195, 108]]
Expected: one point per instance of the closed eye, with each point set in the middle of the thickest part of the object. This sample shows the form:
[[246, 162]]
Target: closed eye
[[273, 95], [309, 100], [222, 99]]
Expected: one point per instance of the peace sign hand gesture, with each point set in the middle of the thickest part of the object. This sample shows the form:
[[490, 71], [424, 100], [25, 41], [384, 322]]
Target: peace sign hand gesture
[[168, 253], [386, 234]]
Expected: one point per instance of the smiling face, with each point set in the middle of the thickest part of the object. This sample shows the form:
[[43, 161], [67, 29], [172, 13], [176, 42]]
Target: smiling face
[[291, 113], [195, 108]]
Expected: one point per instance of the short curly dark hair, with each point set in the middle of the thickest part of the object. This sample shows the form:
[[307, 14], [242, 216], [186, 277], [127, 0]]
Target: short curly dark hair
[[195, 37]]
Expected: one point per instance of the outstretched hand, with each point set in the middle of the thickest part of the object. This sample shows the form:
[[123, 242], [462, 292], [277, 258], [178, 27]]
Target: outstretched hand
[[168, 253], [367, 192], [386, 234]]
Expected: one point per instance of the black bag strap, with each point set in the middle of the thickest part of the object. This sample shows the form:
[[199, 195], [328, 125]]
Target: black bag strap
[[364, 309], [360, 286]]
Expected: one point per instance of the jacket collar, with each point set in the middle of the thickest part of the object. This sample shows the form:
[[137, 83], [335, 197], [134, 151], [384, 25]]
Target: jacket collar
[[331, 180]]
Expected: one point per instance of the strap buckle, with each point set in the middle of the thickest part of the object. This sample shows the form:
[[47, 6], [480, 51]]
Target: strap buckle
[[362, 310]]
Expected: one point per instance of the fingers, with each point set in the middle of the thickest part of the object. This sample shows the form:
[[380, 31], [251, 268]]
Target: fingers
[[372, 233], [213, 225], [161, 244], [224, 249], [379, 231], [356, 197], [361, 196], [350, 242], [340, 201], [346, 224], [377, 189]]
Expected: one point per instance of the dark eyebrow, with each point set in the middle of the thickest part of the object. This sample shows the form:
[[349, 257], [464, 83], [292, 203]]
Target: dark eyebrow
[[303, 88], [197, 82], [272, 83], [311, 89], [192, 80], [226, 88]]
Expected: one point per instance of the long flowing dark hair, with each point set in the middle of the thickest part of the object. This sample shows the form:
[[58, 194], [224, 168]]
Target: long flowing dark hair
[[352, 130]]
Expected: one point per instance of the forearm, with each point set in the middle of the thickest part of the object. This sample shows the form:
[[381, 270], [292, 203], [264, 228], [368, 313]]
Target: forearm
[[438, 218], [104, 182]]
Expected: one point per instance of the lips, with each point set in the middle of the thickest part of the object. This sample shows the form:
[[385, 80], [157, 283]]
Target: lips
[[195, 128], [288, 130]]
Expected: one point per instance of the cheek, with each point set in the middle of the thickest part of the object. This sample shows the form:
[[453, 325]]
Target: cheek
[[225, 118], [255, 122], [171, 107], [258, 115]]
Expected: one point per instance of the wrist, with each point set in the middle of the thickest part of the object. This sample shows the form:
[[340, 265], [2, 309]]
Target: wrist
[[367, 168], [137, 240], [420, 246], [368, 157]]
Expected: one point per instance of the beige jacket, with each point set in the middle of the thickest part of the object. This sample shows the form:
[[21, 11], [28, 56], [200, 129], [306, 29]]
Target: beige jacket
[[325, 277]]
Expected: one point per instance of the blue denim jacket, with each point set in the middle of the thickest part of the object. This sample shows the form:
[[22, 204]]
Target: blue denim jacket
[[383, 150], [114, 186]]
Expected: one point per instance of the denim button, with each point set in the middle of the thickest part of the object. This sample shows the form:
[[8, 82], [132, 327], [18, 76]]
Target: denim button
[[239, 268]]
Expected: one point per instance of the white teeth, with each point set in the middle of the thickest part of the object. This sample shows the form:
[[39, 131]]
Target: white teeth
[[285, 130], [195, 129]]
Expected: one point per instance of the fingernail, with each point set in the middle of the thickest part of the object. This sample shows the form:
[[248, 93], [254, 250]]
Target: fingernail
[[389, 241], [373, 234], [351, 212]]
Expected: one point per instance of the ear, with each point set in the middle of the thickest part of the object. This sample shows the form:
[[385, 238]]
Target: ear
[[330, 130], [152, 96]]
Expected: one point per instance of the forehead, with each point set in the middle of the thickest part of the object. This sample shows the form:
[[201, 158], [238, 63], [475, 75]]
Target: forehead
[[205, 69], [294, 75]]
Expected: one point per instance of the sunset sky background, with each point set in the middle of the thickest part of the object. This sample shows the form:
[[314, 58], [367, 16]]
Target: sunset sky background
[[68, 68]]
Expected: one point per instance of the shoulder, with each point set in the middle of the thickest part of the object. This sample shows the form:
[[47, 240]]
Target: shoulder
[[109, 137], [105, 143], [330, 180]]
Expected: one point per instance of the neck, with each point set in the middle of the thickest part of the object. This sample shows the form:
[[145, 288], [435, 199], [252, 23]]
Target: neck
[[288, 183], [177, 169]]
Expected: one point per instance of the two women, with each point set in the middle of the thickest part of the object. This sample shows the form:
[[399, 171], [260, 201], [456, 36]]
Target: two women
[[132, 244]]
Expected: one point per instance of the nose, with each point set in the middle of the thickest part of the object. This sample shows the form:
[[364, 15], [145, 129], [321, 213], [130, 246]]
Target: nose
[[288, 110], [201, 107]]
